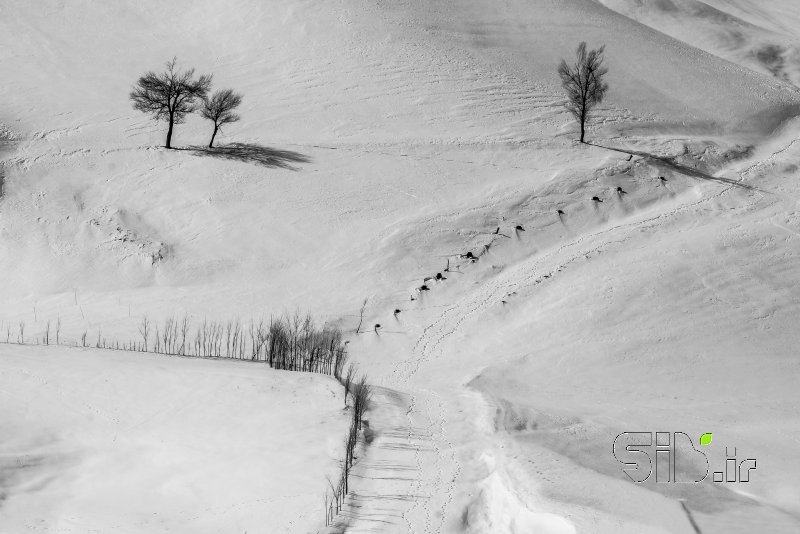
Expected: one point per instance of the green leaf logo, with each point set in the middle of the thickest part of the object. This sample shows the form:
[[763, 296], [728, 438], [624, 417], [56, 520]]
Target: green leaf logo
[[706, 438]]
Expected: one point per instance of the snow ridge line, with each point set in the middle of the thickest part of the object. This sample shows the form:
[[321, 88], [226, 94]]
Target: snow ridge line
[[489, 291], [526, 274]]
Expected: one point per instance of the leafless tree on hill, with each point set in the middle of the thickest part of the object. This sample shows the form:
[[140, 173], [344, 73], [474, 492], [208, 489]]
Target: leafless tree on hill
[[169, 95], [219, 110], [584, 83]]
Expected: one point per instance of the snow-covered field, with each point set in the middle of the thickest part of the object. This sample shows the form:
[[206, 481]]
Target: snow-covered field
[[105, 441], [391, 137]]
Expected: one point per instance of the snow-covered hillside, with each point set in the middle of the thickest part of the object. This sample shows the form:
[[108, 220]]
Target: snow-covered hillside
[[103, 441], [386, 139], [760, 36]]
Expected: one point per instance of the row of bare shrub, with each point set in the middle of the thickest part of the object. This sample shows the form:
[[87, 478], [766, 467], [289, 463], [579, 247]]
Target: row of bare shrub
[[359, 394], [292, 342], [43, 338]]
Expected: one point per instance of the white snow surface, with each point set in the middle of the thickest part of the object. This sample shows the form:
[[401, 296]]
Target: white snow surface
[[99, 441], [395, 136]]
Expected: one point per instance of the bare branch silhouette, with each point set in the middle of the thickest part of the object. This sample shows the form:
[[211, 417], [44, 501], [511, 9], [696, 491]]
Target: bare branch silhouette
[[170, 95], [219, 110], [584, 83]]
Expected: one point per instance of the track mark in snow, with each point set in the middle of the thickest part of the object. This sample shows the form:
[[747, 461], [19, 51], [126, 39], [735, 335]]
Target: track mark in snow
[[386, 480], [49, 135], [438, 484]]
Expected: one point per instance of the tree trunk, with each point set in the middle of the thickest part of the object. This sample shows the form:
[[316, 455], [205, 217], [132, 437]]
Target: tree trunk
[[211, 144], [584, 113], [169, 131]]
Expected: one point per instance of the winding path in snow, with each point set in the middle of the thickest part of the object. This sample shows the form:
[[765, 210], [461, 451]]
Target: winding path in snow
[[406, 481]]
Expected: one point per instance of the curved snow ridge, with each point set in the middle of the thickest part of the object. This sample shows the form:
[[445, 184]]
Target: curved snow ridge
[[499, 510], [497, 501]]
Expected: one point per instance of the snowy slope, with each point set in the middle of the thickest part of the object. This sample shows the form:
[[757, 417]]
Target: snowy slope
[[680, 317], [103, 441], [747, 33], [401, 134], [347, 86]]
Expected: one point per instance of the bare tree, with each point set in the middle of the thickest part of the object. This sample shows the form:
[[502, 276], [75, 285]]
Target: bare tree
[[584, 83], [219, 110], [349, 378], [361, 317], [170, 95], [144, 330]]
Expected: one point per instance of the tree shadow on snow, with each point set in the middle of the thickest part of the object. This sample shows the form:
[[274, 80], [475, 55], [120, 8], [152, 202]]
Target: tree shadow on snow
[[253, 153], [670, 163]]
